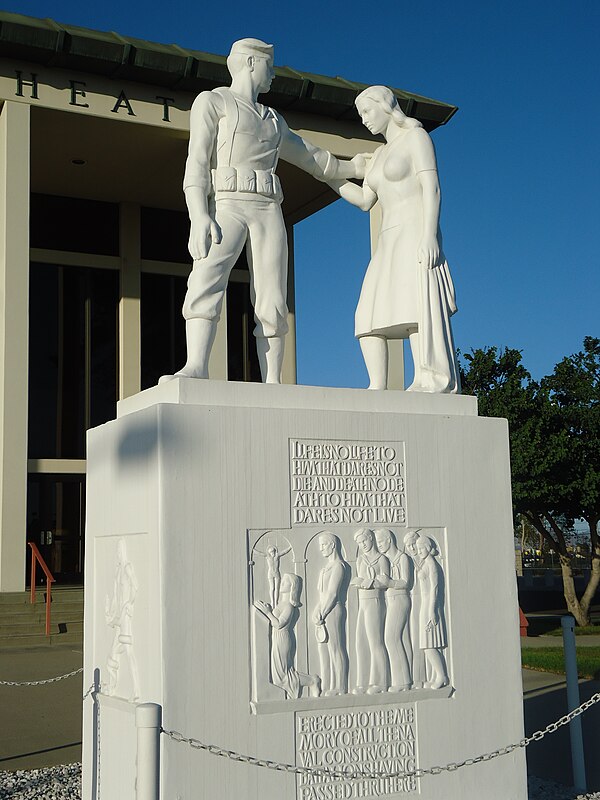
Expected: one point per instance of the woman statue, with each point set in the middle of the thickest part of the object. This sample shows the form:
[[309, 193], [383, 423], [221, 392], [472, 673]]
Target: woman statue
[[407, 291], [432, 626], [283, 619]]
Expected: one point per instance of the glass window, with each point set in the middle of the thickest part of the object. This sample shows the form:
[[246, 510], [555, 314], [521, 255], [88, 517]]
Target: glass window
[[242, 359], [55, 522], [165, 235], [162, 327], [73, 326], [74, 225]]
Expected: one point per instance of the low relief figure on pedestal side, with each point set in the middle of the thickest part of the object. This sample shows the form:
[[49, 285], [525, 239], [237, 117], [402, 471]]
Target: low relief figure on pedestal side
[[397, 613], [330, 616], [371, 656], [273, 556], [407, 292], [419, 672], [282, 619], [119, 616], [432, 624], [234, 202]]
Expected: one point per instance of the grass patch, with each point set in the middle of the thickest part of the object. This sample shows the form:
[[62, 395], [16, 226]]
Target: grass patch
[[550, 659], [587, 630]]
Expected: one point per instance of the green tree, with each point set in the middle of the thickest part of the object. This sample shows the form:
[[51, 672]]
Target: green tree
[[555, 448]]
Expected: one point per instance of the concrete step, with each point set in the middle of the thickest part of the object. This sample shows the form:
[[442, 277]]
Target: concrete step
[[59, 595], [35, 614], [35, 626], [24, 640], [23, 624]]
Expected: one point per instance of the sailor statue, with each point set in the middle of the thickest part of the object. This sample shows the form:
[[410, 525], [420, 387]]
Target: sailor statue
[[234, 200]]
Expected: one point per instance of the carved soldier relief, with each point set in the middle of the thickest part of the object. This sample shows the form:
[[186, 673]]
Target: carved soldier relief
[[118, 612]]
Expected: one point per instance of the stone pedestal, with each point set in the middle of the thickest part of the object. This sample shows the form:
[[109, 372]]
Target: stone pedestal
[[232, 577]]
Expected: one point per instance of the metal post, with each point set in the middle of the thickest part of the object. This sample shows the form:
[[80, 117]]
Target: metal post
[[577, 758], [148, 720]]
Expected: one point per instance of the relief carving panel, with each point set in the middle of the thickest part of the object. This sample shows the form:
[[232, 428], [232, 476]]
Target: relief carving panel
[[347, 615]]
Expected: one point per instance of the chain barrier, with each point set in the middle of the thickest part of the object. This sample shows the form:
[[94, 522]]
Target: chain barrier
[[41, 683], [354, 772], [89, 691]]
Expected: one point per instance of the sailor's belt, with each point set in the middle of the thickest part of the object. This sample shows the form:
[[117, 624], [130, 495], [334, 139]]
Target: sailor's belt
[[244, 179]]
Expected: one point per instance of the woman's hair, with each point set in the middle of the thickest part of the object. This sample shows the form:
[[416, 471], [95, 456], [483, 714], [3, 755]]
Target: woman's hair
[[386, 98], [411, 535], [295, 589], [429, 543]]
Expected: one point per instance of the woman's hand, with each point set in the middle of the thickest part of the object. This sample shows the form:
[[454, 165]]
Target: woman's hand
[[428, 252], [360, 163]]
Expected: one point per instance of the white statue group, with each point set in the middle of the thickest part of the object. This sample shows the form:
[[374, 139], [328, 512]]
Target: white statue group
[[399, 630], [234, 200]]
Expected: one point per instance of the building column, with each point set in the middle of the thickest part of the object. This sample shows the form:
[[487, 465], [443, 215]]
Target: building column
[[130, 350], [14, 341], [395, 346], [288, 372]]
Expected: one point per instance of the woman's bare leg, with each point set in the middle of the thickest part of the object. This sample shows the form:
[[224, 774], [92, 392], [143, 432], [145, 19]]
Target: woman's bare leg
[[413, 338], [375, 354]]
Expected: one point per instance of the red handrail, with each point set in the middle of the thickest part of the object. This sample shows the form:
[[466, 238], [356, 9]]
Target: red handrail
[[37, 556]]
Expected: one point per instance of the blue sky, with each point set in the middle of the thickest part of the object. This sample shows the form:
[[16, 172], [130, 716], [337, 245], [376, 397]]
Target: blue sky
[[518, 164]]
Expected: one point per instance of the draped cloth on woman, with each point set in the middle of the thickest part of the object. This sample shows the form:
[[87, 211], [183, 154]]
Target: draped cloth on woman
[[437, 355], [283, 656]]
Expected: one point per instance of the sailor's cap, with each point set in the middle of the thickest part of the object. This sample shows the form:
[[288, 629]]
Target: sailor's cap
[[252, 47]]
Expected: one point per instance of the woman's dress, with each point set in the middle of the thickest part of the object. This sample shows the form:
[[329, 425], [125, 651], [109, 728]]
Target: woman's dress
[[399, 296], [283, 655], [431, 582]]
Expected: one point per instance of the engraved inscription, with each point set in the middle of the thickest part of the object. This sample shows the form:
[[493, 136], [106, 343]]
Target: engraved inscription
[[376, 741], [347, 483]]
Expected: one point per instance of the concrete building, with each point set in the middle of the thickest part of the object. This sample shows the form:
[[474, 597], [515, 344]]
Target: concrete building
[[93, 250]]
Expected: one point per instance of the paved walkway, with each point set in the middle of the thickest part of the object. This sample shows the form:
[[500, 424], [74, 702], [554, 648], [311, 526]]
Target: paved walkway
[[40, 725], [544, 701], [556, 641]]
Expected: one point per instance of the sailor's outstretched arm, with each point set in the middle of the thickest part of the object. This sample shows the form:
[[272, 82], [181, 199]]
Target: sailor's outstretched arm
[[318, 163]]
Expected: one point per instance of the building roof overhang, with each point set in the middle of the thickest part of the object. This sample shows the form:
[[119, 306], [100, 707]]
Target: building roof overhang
[[44, 41]]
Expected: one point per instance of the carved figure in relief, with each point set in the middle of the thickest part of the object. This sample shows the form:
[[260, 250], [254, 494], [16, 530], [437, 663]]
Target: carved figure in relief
[[407, 291], [419, 668], [234, 201], [283, 619], [273, 558], [397, 614], [119, 616], [330, 617], [371, 656], [432, 626]]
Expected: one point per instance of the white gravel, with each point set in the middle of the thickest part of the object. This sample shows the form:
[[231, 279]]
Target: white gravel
[[550, 790], [50, 783], [64, 783]]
